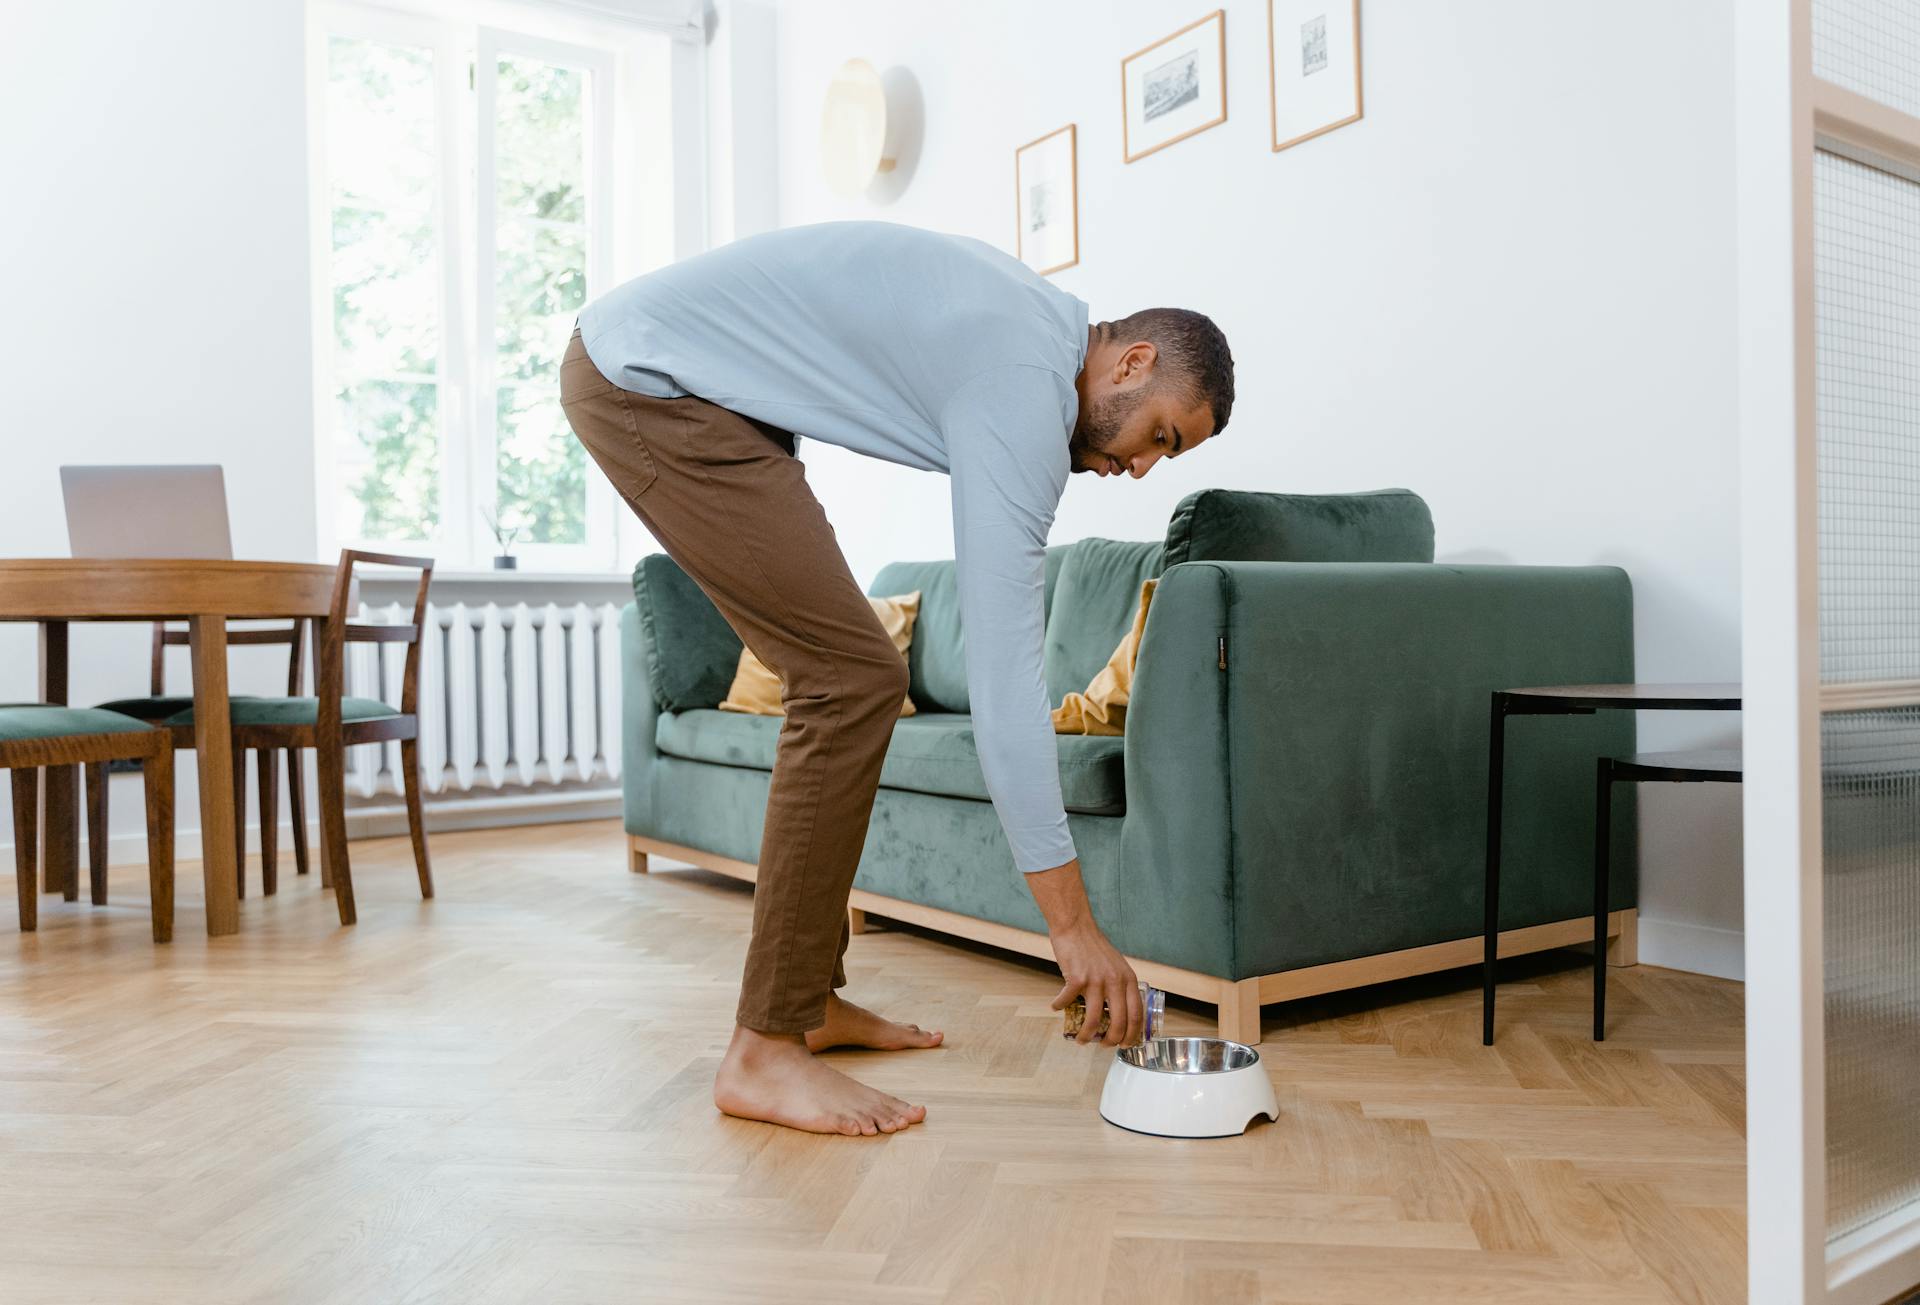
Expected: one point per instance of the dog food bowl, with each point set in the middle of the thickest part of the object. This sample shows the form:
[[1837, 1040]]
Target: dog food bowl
[[1187, 1087]]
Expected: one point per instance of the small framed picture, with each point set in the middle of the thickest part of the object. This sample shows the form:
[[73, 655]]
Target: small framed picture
[[1047, 201], [1313, 52], [1174, 88]]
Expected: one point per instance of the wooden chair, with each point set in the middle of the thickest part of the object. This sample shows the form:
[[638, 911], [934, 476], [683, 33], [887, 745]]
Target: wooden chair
[[332, 723], [33, 736], [162, 708]]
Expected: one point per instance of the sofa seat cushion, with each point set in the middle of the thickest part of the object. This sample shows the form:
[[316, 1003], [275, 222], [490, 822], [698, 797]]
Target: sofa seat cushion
[[932, 752]]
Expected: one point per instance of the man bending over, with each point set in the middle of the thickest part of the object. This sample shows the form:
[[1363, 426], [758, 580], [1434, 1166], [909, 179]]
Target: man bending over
[[688, 387]]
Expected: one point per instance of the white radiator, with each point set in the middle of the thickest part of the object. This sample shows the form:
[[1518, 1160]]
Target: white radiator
[[512, 697]]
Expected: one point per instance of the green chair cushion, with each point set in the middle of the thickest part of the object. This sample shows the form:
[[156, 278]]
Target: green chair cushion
[[933, 752], [1231, 525], [937, 658], [293, 711], [22, 721], [1093, 608]]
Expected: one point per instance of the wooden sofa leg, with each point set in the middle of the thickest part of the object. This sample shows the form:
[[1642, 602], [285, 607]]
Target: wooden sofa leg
[[1240, 1011], [1624, 947], [856, 920], [636, 856]]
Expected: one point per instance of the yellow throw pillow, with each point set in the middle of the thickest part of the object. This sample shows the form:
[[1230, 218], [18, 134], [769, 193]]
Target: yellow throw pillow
[[756, 689], [1102, 709]]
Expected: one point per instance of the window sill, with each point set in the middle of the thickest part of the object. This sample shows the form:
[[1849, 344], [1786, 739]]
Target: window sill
[[533, 577], [531, 587]]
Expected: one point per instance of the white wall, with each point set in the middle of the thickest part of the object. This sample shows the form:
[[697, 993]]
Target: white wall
[[1510, 287], [155, 303], [156, 296]]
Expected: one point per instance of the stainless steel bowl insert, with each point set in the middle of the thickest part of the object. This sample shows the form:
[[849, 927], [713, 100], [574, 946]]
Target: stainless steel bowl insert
[[1190, 1055]]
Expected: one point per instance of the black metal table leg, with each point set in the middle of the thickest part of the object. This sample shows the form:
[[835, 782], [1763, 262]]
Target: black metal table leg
[[1585, 700], [1602, 864], [1496, 774]]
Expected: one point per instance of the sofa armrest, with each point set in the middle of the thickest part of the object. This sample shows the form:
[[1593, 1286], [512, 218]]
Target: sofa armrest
[[1175, 883], [691, 652], [1323, 796], [639, 714]]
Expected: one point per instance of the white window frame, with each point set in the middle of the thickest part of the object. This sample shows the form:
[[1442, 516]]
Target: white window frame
[[632, 227]]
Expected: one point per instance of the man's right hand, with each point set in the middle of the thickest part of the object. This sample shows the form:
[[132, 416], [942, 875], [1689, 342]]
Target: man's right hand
[[1094, 969], [1092, 966]]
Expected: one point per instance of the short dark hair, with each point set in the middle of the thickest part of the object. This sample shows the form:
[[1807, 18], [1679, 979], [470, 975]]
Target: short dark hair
[[1193, 350]]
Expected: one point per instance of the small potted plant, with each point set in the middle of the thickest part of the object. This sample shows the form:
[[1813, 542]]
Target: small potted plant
[[504, 535]]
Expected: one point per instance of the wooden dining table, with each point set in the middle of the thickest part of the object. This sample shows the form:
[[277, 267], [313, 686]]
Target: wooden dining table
[[206, 595]]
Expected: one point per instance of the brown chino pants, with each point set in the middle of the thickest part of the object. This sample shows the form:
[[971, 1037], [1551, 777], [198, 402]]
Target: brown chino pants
[[729, 501]]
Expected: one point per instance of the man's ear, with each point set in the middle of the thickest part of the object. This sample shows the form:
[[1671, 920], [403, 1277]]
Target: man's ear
[[1136, 359]]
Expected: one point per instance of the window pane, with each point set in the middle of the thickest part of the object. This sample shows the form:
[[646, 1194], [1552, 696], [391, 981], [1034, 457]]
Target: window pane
[[541, 124], [384, 271], [543, 468], [540, 288], [380, 131], [385, 294], [387, 437], [1867, 364], [1867, 394], [1870, 772], [1870, 46], [540, 283]]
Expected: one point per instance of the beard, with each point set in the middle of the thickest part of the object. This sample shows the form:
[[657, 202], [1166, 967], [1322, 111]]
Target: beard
[[1099, 427]]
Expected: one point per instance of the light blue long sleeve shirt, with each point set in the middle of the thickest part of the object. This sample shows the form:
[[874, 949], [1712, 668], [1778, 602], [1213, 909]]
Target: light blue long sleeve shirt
[[934, 351]]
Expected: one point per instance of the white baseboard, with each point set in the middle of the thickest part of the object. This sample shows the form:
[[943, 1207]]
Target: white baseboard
[[1695, 948], [492, 812], [489, 812]]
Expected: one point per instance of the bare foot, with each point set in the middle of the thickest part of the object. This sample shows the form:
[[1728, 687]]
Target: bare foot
[[774, 1078], [849, 1025]]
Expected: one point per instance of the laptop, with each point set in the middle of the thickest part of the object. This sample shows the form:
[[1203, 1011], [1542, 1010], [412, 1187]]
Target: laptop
[[178, 511]]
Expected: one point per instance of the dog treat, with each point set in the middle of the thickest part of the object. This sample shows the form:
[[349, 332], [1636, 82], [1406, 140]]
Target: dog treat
[[1153, 1005]]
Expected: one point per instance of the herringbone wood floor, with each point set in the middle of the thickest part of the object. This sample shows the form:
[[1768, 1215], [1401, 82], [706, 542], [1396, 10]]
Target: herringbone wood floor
[[502, 1095]]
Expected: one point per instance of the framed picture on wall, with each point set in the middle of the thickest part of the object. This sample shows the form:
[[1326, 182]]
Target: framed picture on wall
[[1047, 201], [1313, 63], [1174, 88]]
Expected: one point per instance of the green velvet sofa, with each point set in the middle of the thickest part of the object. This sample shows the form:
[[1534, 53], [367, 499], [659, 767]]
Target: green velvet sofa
[[1298, 804]]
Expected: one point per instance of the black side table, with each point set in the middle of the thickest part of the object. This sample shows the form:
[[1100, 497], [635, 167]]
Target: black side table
[[1705, 767], [1567, 700]]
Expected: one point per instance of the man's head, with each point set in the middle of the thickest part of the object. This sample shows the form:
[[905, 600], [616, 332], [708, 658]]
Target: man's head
[[1154, 385]]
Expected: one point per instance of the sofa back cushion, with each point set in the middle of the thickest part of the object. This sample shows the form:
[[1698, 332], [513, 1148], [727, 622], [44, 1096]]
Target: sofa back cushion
[[1092, 607], [937, 661], [691, 651], [1231, 525]]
